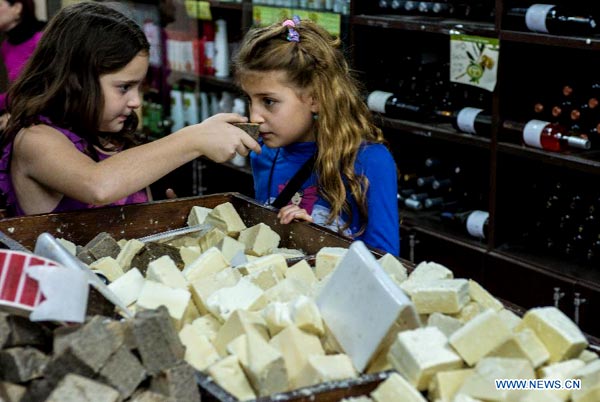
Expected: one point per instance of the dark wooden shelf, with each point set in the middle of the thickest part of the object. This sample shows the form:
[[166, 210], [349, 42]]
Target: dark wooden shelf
[[426, 24], [227, 83], [576, 42], [429, 222], [226, 5], [441, 131], [558, 267], [585, 161]]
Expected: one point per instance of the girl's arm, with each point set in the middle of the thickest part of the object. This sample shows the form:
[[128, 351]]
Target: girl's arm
[[46, 157]]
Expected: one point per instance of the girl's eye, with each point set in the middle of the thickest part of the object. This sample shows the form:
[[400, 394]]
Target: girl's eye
[[124, 88], [268, 102]]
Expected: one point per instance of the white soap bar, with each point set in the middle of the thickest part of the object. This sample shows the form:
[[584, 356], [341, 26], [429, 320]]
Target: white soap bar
[[128, 286], [154, 295], [109, 267], [259, 239], [306, 316], [296, 347], [165, 271], [209, 262], [468, 312], [266, 277], [230, 247], [203, 287], [511, 319], [277, 316], [287, 290], [590, 389], [226, 218], [489, 332], [197, 215], [226, 300], [363, 308], [275, 261], [561, 336], [230, 376], [323, 368], [420, 353], [396, 388], [588, 356], [327, 259], [394, 268], [189, 254], [128, 251], [443, 296], [303, 272], [199, 352]]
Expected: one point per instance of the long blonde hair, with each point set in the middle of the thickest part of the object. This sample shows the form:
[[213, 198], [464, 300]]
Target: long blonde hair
[[316, 63]]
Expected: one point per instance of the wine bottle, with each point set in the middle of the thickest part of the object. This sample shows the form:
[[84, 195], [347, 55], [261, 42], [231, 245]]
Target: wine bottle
[[425, 7], [392, 106], [440, 202], [552, 19], [413, 204], [475, 222], [545, 135], [442, 9], [473, 121]]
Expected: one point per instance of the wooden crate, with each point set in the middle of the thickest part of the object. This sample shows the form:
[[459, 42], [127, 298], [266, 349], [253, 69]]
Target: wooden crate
[[134, 221]]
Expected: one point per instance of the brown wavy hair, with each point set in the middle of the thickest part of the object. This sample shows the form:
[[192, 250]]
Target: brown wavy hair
[[317, 64], [61, 80]]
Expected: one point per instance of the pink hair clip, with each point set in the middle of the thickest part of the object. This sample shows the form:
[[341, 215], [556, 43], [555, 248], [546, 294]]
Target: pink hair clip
[[293, 35]]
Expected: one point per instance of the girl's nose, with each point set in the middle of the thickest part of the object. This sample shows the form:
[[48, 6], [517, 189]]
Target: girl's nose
[[135, 101], [256, 117]]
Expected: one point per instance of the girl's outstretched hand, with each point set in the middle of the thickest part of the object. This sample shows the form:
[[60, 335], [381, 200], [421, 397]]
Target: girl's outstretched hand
[[220, 140], [293, 212]]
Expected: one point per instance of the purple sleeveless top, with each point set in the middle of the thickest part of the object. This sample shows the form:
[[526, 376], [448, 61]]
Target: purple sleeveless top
[[66, 203]]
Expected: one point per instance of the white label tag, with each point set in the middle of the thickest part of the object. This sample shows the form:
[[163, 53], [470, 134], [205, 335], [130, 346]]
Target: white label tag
[[376, 100], [474, 60], [475, 223], [466, 119], [535, 17], [532, 133]]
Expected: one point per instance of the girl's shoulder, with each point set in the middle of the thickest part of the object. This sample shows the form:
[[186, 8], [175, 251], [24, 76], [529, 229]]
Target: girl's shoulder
[[373, 150]]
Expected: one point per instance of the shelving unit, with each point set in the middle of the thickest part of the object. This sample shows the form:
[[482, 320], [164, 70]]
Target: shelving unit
[[503, 262]]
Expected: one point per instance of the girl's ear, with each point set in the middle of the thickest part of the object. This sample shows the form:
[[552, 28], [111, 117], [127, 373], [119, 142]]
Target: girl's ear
[[17, 8], [314, 104]]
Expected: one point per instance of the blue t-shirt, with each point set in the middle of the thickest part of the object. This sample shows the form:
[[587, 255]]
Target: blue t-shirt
[[274, 167]]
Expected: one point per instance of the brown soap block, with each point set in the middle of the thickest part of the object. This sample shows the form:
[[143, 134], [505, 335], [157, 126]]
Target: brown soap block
[[20, 365], [103, 245], [23, 332], [153, 251], [123, 371], [12, 392], [77, 388], [250, 128], [177, 382]]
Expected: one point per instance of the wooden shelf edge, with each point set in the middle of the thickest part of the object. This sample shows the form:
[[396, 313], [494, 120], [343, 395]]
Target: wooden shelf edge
[[426, 24], [226, 5], [432, 130], [573, 161], [591, 43], [227, 83]]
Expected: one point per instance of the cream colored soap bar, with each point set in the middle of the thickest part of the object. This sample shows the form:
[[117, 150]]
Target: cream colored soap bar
[[561, 336], [211, 239], [588, 356], [287, 290], [481, 384], [109, 267], [165, 271], [197, 215], [230, 376], [425, 272], [480, 336], [590, 389], [128, 251], [448, 325], [327, 259], [445, 384], [266, 367], [204, 287], [189, 254], [306, 316], [266, 277], [277, 316], [226, 218], [207, 325], [155, 294], [536, 395], [240, 296], [239, 322], [69, 245], [483, 297], [275, 261], [303, 272], [199, 352], [510, 318], [259, 239], [396, 388], [296, 346], [323, 368], [524, 344], [230, 247], [442, 296], [394, 268], [209, 262], [128, 286], [468, 312], [420, 353]]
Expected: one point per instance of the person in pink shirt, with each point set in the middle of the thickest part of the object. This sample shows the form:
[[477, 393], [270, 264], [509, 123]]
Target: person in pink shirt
[[22, 33]]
